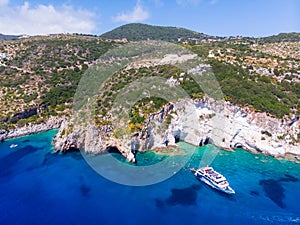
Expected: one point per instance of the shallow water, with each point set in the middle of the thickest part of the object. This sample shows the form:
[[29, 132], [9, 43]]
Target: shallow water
[[38, 187]]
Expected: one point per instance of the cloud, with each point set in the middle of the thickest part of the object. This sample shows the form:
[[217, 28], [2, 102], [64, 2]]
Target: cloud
[[137, 15], [188, 2], [158, 3], [44, 19], [4, 2]]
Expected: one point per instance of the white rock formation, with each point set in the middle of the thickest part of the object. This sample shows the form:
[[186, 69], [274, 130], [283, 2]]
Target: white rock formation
[[89, 140], [234, 127], [197, 122], [51, 123]]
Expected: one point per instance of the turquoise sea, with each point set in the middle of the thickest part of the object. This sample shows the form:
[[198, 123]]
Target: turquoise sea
[[39, 187]]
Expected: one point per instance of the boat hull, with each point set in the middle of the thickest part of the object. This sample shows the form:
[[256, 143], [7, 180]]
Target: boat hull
[[228, 190]]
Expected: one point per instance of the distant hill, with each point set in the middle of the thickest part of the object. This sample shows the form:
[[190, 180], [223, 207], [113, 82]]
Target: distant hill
[[9, 37], [282, 37], [138, 31]]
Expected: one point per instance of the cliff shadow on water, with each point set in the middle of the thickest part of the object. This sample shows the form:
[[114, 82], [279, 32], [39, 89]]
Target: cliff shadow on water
[[274, 189]]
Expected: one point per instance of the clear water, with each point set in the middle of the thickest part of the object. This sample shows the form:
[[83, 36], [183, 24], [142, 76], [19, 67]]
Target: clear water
[[38, 187]]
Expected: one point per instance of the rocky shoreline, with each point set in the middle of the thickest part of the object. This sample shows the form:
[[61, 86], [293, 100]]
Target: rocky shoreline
[[195, 122], [201, 122], [50, 124], [236, 127]]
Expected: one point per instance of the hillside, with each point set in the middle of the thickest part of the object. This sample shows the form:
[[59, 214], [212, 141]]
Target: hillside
[[282, 37], [263, 75], [138, 31], [253, 99], [39, 75], [8, 37]]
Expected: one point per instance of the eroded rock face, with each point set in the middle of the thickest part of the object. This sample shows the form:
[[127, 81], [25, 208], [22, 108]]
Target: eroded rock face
[[196, 122], [88, 139], [227, 126], [98, 140], [155, 133], [237, 128], [52, 123]]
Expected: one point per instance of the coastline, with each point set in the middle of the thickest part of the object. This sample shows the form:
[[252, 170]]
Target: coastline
[[242, 127], [167, 150], [245, 129], [51, 124]]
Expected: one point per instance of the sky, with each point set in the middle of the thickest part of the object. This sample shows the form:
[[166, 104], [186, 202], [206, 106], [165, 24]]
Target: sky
[[254, 18]]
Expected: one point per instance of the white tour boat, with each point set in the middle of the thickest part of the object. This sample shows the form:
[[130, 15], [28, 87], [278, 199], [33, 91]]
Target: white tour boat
[[212, 178]]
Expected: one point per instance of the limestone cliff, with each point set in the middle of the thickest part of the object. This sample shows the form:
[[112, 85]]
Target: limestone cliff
[[236, 127], [90, 139], [196, 122]]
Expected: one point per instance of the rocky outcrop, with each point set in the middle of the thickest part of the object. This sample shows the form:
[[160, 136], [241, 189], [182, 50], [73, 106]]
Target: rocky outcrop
[[51, 123], [235, 127], [196, 122], [89, 139], [97, 140], [155, 133]]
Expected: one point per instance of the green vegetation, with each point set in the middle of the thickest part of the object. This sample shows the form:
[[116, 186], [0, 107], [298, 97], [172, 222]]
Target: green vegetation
[[263, 95], [282, 37], [113, 86], [43, 72], [267, 133], [138, 31], [142, 109], [249, 76]]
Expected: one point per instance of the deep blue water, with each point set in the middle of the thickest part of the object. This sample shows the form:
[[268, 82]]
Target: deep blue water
[[38, 187]]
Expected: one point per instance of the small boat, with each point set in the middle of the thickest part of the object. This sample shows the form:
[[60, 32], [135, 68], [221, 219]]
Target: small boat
[[212, 178], [13, 145]]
